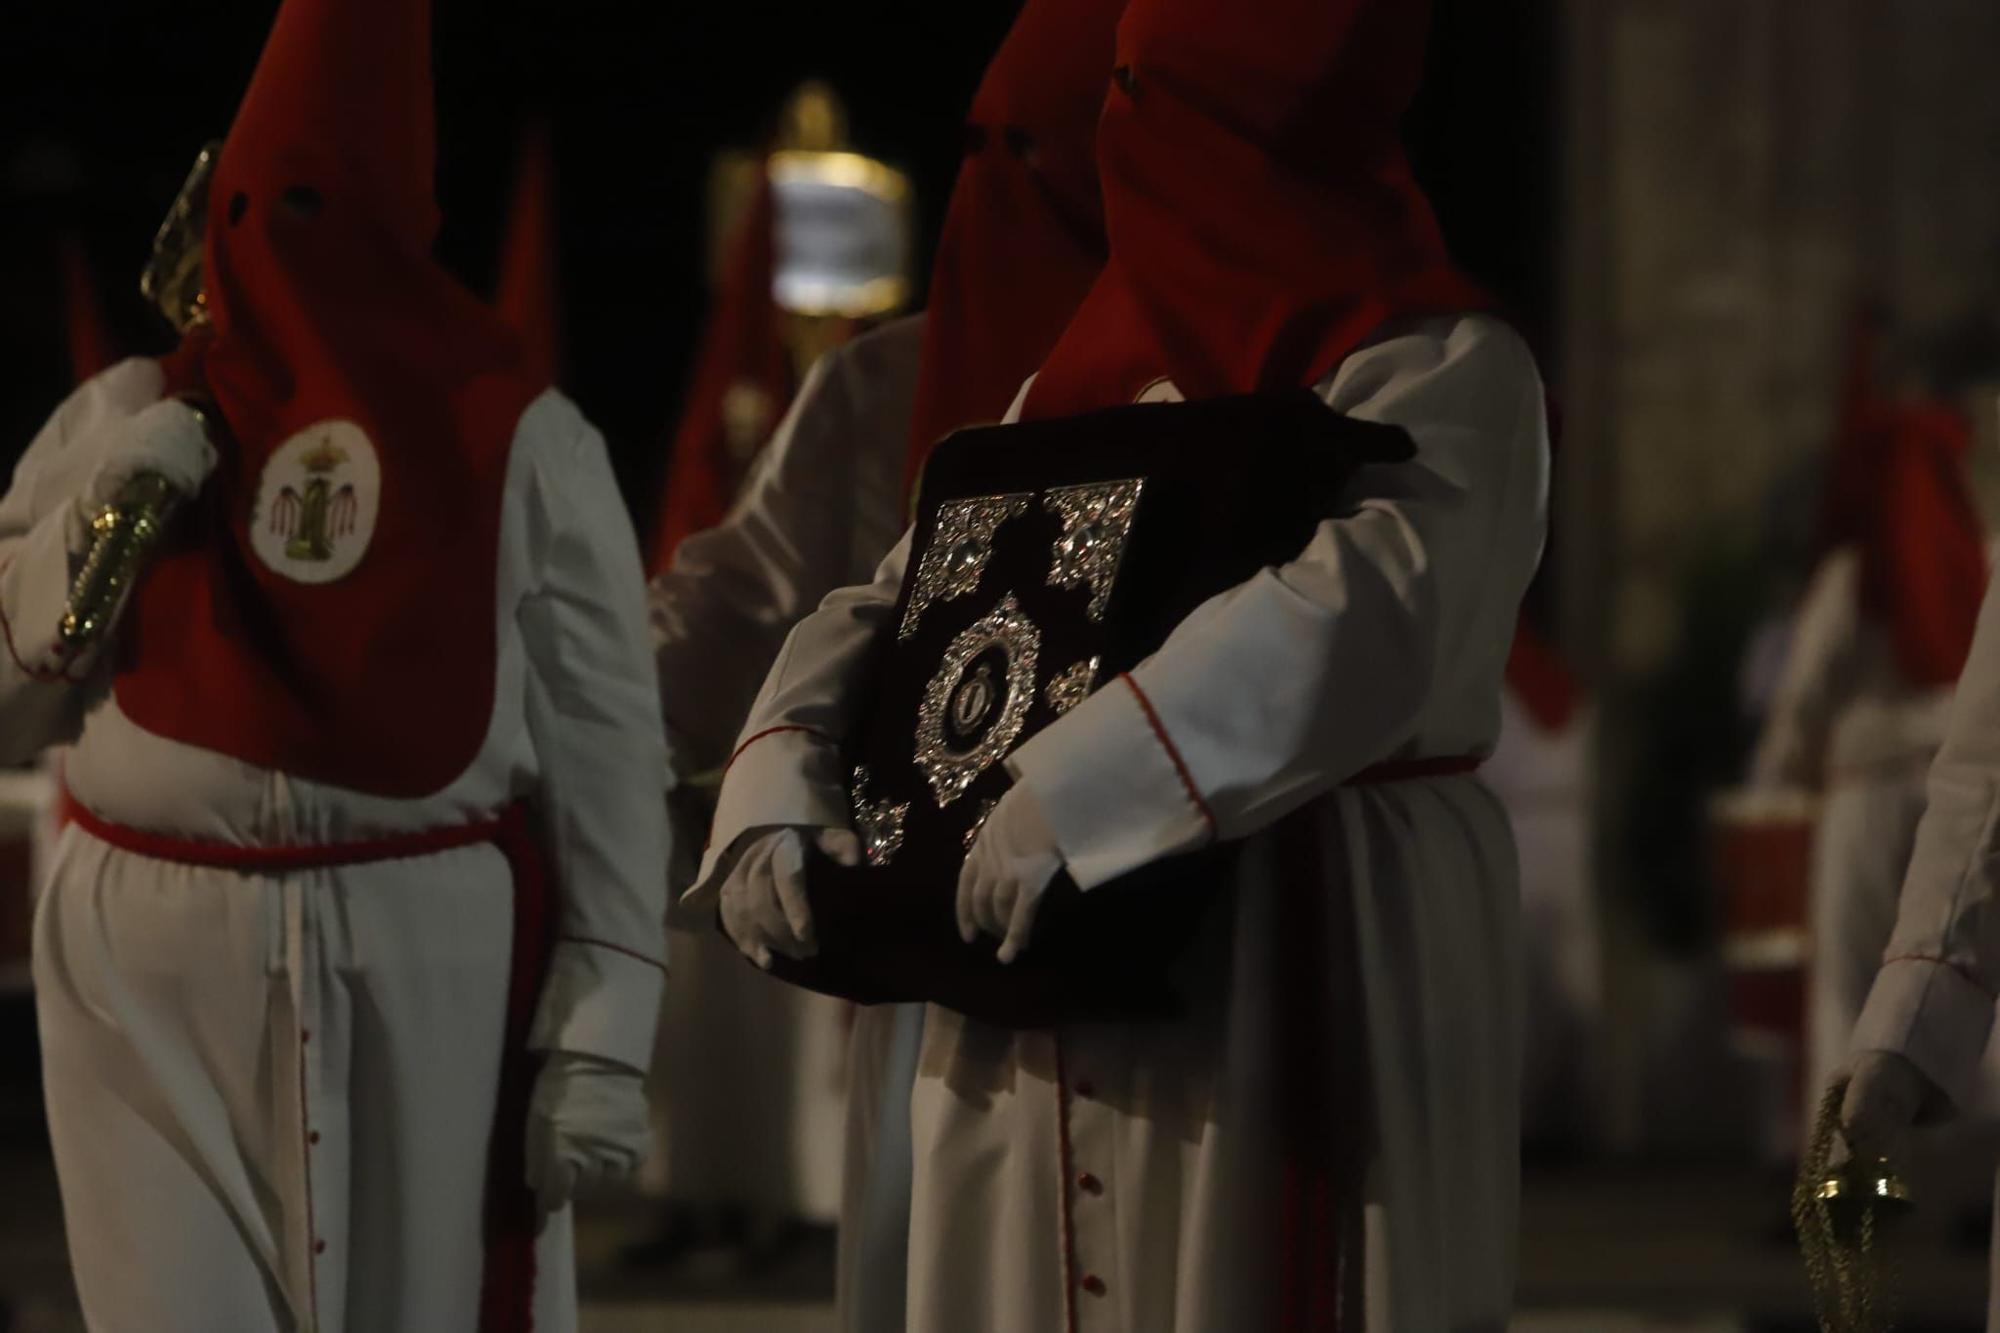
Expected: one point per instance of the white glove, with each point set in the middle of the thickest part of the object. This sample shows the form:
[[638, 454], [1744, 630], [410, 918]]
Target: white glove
[[587, 1125], [763, 900], [1007, 872], [166, 438], [1886, 1095]]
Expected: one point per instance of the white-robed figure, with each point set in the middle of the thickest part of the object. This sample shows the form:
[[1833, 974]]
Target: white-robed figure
[[1918, 1051], [1339, 1111], [820, 508], [312, 1025], [1866, 688], [1541, 769], [826, 501]]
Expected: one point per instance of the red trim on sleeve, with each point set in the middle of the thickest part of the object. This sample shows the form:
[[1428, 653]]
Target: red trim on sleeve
[[1964, 973], [1173, 752], [615, 948], [768, 732]]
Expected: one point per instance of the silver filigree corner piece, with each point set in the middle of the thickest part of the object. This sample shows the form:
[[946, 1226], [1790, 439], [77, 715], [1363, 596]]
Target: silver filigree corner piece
[[960, 548], [879, 823], [967, 720], [1072, 685], [1096, 523]]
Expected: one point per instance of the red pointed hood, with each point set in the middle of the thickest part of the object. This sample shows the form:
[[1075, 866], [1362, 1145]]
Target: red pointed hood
[[1541, 682], [342, 101], [530, 296], [331, 614], [742, 385], [1899, 494], [1024, 236], [1262, 215]]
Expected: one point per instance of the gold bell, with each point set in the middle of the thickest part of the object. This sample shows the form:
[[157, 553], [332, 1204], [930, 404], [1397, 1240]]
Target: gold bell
[[1852, 1191]]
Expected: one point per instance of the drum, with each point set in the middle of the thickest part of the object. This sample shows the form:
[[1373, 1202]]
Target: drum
[[1762, 850]]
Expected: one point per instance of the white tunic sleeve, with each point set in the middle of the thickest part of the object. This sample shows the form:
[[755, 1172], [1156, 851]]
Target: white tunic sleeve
[[1817, 679], [786, 770], [42, 537], [594, 716], [722, 612], [1933, 999], [1270, 693], [1310, 673]]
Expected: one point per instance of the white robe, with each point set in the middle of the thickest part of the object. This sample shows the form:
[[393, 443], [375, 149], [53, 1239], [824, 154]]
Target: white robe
[[1933, 999], [270, 1095], [1544, 779], [1845, 724], [752, 1074], [1117, 1176]]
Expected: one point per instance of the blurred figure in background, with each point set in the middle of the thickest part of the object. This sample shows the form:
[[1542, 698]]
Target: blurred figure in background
[[1865, 692], [824, 503], [814, 247], [1542, 770], [1918, 1049]]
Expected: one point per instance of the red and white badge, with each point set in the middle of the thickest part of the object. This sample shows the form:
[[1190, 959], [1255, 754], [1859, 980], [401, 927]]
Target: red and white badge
[[317, 502]]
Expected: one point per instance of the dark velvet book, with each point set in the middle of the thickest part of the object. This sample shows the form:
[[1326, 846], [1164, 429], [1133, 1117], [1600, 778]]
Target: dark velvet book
[[1048, 558]]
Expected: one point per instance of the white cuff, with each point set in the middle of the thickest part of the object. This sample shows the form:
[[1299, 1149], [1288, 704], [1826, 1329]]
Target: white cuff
[[1934, 1016], [1107, 781], [600, 999], [783, 777], [34, 593]]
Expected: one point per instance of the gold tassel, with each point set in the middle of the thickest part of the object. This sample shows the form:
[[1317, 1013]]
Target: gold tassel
[[1840, 1213]]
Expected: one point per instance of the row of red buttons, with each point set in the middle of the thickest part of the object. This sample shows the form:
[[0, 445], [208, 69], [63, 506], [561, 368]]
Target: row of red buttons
[[1091, 1283], [312, 1139]]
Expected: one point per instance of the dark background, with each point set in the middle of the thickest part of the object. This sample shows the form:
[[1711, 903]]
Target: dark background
[[103, 104]]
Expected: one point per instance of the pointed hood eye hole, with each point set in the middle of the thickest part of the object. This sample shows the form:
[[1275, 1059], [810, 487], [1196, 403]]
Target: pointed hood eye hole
[[239, 204], [302, 202]]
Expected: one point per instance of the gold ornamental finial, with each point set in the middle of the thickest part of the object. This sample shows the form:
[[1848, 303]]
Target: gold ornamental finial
[[173, 279], [814, 120]]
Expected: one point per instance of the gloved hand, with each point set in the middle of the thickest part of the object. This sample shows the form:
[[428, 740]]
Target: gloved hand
[[166, 438], [1007, 872], [1885, 1096], [763, 899], [586, 1125]]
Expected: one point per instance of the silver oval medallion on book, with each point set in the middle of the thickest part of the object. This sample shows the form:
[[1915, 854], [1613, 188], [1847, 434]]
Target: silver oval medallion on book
[[978, 701]]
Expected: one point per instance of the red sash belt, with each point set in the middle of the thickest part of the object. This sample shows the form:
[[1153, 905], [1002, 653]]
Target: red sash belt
[[1415, 770], [508, 1285], [499, 830]]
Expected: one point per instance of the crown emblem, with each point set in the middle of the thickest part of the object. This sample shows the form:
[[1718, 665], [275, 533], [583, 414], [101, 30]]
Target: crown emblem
[[323, 457]]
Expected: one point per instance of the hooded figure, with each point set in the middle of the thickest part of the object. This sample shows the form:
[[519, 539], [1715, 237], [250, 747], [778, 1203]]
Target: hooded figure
[[528, 293], [1862, 707], [1328, 1139], [349, 964], [824, 503], [1862, 702], [1921, 1049]]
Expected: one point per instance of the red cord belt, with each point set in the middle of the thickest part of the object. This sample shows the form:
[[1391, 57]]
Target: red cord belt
[[510, 1224], [502, 829]]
